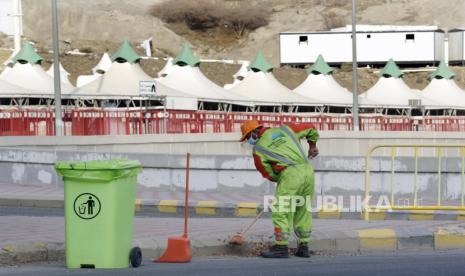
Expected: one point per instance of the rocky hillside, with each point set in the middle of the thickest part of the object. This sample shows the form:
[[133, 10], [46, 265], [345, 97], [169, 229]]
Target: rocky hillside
[[98, 26]]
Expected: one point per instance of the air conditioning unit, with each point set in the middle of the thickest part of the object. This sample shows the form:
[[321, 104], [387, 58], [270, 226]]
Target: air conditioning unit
[[414, 102]]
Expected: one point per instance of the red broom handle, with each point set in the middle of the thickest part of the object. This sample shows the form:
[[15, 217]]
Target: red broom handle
[[186, 207]]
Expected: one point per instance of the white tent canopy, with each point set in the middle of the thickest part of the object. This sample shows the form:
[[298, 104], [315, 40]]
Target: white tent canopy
[[393, 92], [32, 77], [239, 75], [85, 79], [263, 89], [167, 68], [5, 70], [10, 90], [122, 79], [63, 73], [190, 80], [445, 92], [103, 65], [325, 89], [242, 72]]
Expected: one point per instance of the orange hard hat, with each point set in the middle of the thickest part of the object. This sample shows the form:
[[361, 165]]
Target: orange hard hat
[[247, 127]]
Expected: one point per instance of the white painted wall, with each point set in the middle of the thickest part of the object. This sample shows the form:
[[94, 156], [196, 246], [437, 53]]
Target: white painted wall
[[456, 43], [440, 46]]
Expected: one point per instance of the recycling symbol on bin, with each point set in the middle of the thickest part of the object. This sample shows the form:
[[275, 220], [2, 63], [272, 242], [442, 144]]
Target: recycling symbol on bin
[[87, 206]]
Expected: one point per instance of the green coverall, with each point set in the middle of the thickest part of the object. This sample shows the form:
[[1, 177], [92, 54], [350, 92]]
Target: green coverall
[[279, 156]]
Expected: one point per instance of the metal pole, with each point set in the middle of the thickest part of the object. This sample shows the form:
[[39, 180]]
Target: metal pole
[[56, 71], [17, 25], [354, 67]]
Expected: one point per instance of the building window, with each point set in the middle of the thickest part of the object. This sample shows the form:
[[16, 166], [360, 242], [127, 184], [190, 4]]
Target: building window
[[303, 39], [409, 37]]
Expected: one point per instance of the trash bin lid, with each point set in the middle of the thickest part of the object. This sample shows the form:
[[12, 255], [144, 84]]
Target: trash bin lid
[[98, 165], [98, 170]]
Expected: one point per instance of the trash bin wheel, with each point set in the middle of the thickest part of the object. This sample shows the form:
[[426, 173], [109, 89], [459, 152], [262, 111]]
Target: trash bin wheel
[[135, 256]]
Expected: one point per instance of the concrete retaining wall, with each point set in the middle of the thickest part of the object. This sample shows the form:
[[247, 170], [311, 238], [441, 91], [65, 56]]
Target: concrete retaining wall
[[31, 163], [222, 165], [333, 143]]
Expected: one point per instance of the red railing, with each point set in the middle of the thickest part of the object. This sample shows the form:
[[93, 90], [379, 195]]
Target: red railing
[[97, 121]]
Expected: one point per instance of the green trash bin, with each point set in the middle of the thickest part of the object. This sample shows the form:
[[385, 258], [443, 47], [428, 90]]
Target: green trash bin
[[99, 213]]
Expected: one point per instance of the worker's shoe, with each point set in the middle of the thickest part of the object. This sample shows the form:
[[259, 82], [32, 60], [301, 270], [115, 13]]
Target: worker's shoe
[[276, 251], [302, 251]]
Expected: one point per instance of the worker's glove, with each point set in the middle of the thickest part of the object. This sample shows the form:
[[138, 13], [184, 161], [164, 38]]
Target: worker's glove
[[313, 152]]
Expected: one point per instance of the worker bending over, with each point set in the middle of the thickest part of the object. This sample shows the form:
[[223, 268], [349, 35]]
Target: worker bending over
[[279, 157]]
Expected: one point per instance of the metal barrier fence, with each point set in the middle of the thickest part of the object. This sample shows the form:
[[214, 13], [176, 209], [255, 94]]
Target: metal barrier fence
[[417, 204], [124, 121]]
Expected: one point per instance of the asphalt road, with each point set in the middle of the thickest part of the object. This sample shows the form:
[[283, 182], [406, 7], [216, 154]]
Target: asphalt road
[[413, 263]]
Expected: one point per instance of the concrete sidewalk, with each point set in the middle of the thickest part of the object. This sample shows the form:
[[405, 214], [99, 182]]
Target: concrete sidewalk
[[33, 239]]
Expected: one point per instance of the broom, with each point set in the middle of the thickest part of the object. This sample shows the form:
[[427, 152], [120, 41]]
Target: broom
[[239, 238]]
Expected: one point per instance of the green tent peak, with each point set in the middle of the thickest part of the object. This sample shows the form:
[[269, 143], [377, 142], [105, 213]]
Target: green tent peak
[[320, 67], [260, 63], [126, 52], [186, 57], [391, 70], [27, 54], [442, 72]]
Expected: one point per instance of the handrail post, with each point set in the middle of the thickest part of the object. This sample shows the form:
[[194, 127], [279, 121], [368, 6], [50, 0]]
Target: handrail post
[[393, 154], [439, 176], [416, 205], [367, 183], [415, 178], [462, 177]]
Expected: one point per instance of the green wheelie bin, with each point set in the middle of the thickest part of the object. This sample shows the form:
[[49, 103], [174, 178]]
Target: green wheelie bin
[[99, 213]]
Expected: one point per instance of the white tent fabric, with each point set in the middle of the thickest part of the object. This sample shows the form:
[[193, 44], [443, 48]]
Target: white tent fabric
[[103, 65], [445, 92], [191, 80], [5, 70], [243, 70], [10, 90], [264, 89], [122, 81], [228, 86], [324, 88], [34, 78], [85, 79], [167, 68], [393, 92], [239, 75], [63, 74]]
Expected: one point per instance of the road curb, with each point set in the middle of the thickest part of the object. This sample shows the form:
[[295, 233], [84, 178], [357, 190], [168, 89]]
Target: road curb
[[12, 254], [209, 208], [349, 241]]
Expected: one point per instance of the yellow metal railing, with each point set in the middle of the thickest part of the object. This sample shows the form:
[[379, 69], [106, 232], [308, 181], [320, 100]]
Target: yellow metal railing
[[415, 206]]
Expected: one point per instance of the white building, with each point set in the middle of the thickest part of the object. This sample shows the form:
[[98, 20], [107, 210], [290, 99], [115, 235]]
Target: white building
[[412, 45], [456, 46]]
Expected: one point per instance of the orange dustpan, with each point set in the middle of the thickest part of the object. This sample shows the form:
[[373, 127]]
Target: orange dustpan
[[179, 248]]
